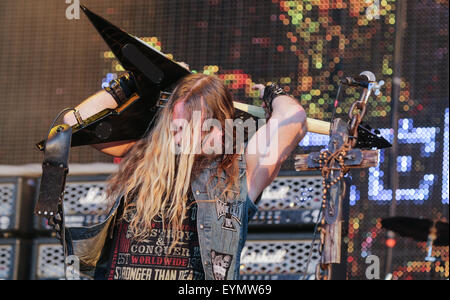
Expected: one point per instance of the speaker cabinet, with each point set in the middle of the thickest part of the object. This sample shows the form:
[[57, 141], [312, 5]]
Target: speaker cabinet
[[16, 206], [291, 201], [279, 257], [14, 254], [47, 260]]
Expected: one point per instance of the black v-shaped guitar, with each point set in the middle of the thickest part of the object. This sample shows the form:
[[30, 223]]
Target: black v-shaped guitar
[[154, 74]]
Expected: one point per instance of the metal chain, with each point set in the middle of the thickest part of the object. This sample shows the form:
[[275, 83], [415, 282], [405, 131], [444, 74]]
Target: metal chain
[[355, 119]]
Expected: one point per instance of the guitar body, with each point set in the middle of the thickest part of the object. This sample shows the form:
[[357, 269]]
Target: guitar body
[[128, 122]]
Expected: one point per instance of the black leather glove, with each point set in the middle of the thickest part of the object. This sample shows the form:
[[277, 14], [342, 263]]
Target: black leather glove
[[122, 88]]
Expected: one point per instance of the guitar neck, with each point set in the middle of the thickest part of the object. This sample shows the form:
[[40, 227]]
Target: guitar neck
[[315, 126]]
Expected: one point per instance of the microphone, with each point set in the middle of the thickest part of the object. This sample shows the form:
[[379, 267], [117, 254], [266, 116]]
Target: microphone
[[362, 80]]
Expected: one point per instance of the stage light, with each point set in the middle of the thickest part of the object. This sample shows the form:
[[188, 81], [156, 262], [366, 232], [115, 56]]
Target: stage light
[[391, 243]]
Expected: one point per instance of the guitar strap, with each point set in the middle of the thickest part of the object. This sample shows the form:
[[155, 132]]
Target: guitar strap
[[53, 181]]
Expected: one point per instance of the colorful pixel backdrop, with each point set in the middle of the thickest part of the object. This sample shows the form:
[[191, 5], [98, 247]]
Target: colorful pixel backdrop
[[49, 62]]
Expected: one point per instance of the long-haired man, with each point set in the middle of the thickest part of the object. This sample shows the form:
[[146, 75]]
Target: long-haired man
[[185, 192]]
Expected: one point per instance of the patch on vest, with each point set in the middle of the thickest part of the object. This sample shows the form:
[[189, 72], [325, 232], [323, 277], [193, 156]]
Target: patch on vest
[[220, 264], [229, 211]]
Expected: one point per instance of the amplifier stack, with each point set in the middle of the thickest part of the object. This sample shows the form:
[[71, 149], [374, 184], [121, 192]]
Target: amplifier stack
[[16, 205], [281, 233], [278, 244], [85, 204]]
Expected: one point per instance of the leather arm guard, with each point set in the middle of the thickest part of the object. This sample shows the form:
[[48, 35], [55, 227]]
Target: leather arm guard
[[122, 88]]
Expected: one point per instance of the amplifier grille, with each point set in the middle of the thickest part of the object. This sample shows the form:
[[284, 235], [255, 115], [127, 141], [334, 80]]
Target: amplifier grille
[[50, 262], [292, 192], [278, 257], [6, 261], [7, 204], [85, 197]]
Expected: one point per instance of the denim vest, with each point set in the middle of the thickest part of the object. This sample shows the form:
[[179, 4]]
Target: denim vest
[[221, 224]]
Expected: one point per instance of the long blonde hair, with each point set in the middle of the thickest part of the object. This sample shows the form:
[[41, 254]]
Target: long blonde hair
[[153, 180]]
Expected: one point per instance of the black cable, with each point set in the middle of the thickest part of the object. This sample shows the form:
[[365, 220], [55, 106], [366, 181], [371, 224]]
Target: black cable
[[312, 244]]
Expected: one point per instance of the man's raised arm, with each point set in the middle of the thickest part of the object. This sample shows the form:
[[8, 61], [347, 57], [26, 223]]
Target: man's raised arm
[[273, 143], [91, 106]]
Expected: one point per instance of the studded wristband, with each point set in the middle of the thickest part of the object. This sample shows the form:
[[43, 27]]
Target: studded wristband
[[271, 91]]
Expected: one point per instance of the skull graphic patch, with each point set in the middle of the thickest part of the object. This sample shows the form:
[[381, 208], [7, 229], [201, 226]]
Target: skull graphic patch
[[220, 264]]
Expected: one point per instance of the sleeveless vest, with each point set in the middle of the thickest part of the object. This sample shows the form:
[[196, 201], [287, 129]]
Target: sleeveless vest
[[221, 224]]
